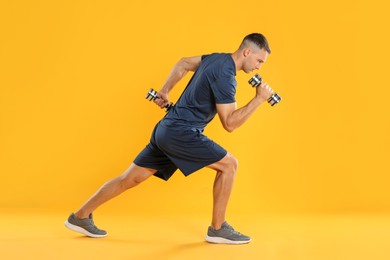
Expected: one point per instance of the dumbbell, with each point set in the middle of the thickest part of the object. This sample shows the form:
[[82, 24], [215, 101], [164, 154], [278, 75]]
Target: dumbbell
[[255, 81], [152, 95]]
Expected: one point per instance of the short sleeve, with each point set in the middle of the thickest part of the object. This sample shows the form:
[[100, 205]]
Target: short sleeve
[[224, 90]]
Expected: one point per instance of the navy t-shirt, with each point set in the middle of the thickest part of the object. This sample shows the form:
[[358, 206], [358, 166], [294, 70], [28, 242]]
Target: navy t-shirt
[[213, 83]]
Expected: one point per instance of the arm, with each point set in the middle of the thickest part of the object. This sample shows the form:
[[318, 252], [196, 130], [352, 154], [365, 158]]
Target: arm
[[181, 68], [232, 118]]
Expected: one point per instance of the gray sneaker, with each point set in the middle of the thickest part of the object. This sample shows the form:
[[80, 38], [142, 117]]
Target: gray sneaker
[[84, 226], [226, 235]]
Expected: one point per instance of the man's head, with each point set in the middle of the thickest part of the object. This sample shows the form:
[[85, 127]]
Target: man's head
[[254, 51]]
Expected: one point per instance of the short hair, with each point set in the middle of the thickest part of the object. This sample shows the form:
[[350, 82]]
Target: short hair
[[257, 39]]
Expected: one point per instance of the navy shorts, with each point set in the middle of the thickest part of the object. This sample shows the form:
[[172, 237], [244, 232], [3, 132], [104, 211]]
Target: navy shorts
[[171, 148]]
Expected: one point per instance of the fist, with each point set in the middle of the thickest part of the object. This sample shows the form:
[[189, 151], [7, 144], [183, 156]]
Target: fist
[[264, 91], [162, 99]]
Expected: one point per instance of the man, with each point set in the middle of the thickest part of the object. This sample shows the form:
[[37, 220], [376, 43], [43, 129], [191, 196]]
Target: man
[[178, 141]]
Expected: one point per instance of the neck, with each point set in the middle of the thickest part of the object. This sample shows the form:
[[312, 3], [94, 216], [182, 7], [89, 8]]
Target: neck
[[237, 59]]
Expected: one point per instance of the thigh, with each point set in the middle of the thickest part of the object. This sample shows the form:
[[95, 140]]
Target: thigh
[[151, 157], [188, 149]]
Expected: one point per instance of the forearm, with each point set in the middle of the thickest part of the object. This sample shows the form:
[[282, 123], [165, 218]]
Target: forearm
[[241, 115], [181, 68], [177, 73]]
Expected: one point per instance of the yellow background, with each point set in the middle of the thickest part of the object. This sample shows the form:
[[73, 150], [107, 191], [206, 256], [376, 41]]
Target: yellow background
[[73, 76]]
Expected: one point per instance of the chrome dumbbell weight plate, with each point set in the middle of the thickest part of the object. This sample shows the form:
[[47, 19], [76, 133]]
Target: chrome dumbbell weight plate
[[152, 95], [255, 81]]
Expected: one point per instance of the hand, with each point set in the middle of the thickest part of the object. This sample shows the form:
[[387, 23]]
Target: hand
[[162, 99], [264, 91]]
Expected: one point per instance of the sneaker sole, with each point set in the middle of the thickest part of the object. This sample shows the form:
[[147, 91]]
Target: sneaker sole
[[81, 230], [220, 240]]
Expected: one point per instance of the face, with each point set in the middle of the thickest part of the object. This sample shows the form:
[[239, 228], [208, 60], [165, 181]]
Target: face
[[254, 57]]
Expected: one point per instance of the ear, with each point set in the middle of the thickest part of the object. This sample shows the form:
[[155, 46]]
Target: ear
[[246, 52]]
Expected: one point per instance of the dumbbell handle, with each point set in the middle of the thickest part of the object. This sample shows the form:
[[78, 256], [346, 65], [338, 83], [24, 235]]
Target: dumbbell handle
[[255, 81], [152, 95]]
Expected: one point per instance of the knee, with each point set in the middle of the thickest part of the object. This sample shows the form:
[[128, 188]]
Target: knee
[[128, 181], [134, 175], [234, 163], [231, 164]]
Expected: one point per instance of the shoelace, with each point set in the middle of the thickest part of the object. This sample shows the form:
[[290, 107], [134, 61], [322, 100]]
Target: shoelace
[[231, 229], [92, 224]]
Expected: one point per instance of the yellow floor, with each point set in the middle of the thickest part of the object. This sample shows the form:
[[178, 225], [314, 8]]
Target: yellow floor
[[40, 234]]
